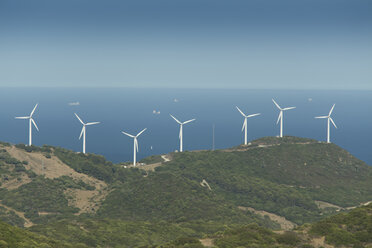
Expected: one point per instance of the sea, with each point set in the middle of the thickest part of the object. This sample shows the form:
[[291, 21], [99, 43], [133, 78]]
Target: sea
[[133, 109]]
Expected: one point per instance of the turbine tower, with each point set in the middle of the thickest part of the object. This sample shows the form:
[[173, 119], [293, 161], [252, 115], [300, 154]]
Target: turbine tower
[[31, 122], [135, 144], [245, 123], [329, 120], [280, 117], [83, 130], [181, 130]]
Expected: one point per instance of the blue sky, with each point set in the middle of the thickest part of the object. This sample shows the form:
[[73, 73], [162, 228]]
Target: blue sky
[[317, 44]]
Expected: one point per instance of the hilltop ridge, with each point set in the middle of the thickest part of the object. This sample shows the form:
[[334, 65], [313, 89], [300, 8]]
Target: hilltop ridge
[[278, 183]]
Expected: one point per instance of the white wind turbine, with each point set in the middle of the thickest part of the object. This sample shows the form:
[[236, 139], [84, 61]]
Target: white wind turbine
[[31, 121], [280, 117], [245, 123], [135, 144], [181, 130], [329, 120], [83, 130]]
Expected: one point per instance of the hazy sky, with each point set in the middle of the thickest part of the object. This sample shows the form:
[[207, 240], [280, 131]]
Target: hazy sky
[[302, 44]]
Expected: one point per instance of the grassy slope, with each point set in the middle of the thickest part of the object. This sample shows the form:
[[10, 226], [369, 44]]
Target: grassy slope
[[15, 237], [285, 177], [114, 233], [352, 229]]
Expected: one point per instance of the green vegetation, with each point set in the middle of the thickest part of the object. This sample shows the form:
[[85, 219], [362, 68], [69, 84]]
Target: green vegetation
[[111, 233], [283, 178], [171, 207], [42, 195], [348, 229], [184, 242], [44, 149], [96, 166], [256, 236], [15, 237], [10, 217], [152, 159], [189, 201]]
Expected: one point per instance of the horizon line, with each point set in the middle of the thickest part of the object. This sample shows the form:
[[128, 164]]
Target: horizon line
[[187, 88]]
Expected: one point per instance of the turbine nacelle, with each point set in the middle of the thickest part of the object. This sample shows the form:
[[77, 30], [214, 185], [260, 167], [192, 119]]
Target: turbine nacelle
[[280, 117], [135, 137], [181, 129], [245, 122], [330, 120], [246, 117], [32, 122], [83, 130], [135, 143], [328, 116]]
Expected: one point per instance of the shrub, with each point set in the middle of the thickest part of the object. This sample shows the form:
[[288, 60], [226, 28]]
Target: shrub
[[288, 238]]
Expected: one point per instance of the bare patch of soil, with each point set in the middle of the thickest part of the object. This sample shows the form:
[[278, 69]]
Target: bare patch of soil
[[150, 167], [206, 242], [14, 183], [85, 200], [320, 242], [324, 205], [88, 201], [283, 222]]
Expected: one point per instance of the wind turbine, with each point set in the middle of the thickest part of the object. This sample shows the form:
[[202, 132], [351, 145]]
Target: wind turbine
[[31, 121], [83, 130], [135, 144], [181, 132], [280, 117], [245, 123], [329, 120]]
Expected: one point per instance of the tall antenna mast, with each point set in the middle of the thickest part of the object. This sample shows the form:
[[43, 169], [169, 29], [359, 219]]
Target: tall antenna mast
[[213, 137]]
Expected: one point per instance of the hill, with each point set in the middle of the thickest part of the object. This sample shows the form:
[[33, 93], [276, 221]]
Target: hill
[[350, 229], [276, 183], [11, 236]]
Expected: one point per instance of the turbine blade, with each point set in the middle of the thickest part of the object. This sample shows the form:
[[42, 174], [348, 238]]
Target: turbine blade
[[175, 119], [277, 105], [188, 121], [244, 124], [179, 135], [334, 124], [32, 112], [82, 131], [279, 117], [141, 132], [132, 136], [240, 111], [253, 115], [321, 117], [92, 123], [79, 119], [330, 112], [33, 122], [289, 108], [23, 117]]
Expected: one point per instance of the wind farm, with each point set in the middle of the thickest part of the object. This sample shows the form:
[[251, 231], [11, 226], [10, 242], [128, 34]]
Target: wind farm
[[185, 124], [149, 148]]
